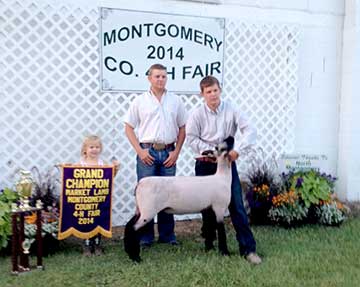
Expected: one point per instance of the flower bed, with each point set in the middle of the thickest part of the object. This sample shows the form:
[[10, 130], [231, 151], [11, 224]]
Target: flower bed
[[293, 198]]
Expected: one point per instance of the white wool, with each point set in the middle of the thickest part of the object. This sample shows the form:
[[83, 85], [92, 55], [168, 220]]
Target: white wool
[[185, 194]]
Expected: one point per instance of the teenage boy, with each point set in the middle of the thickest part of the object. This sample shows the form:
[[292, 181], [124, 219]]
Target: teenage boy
[[208, 125]]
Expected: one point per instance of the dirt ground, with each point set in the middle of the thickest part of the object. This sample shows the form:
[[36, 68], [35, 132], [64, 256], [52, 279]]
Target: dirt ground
[[183, 228]]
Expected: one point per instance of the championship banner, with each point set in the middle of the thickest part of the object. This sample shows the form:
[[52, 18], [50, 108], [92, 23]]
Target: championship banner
[[85, 201]]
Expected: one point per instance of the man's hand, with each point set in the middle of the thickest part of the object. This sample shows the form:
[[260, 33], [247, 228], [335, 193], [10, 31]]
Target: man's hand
[[233, 155], [171, 160], [145, 157]]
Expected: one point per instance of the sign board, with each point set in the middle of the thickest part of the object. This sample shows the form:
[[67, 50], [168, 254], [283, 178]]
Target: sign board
[[322, 163], [131, 41], [85, 202]]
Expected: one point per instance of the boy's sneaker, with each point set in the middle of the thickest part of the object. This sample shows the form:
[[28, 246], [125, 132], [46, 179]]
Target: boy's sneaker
[[253, 258]]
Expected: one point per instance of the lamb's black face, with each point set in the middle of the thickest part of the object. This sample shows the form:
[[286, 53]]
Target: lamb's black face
[[222, 149], [225, 147]]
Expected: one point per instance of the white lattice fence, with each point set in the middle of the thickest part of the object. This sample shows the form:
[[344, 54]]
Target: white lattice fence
[[261, 78], [49, 79]]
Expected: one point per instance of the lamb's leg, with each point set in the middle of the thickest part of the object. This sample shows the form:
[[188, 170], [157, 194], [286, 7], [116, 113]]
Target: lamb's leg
[[131, 240], [133, 230], [208, 229], [220, 213], [222, 239]]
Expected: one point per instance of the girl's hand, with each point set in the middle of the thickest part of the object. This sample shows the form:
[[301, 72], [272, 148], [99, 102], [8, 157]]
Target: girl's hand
[[116, 164]]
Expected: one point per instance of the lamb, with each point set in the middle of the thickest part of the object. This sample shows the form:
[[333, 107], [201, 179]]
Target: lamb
[[182, 195]]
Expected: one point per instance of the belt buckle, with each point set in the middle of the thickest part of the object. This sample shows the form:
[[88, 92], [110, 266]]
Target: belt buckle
[[159, 146]]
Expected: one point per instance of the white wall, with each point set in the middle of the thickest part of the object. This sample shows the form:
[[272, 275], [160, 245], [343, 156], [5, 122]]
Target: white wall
[[349, 134]]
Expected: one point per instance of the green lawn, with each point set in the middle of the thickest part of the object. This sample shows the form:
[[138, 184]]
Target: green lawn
[[306, 256]]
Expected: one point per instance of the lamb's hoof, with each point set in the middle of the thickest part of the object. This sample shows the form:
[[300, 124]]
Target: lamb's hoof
[[136, 259], [225, 252]]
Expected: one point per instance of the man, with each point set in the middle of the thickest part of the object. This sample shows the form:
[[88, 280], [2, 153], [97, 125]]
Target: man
[[207, 126], [159, 117]]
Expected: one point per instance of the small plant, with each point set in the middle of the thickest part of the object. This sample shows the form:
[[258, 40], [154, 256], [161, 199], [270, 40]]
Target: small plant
[[331, 212], [7, 198], [49, 225], [262, 186], [287, 209], [45, 189]]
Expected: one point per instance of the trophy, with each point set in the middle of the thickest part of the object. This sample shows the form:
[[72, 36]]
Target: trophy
[[24, 188], [26, 246]]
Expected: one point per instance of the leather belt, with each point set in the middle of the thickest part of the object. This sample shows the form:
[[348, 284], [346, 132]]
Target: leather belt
[[158, 146]]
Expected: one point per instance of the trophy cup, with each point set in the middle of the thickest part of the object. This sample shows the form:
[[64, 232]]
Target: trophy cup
[[20, 244], [24, 188], [26, 246]]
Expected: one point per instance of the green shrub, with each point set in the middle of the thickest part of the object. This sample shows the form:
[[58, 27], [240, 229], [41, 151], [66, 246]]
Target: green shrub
[[312, 187], [7, 197]]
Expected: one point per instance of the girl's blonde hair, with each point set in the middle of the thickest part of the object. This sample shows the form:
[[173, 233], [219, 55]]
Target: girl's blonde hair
[[86, 141]]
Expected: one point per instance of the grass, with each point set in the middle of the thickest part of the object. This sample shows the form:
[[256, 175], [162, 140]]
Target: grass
[[307, 256]]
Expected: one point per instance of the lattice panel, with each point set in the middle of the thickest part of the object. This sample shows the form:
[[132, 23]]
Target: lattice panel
[[49, 79], [261, 65]]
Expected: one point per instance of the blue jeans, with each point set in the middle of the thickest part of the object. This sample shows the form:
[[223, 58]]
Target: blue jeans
[[166, 222], [238, 214]]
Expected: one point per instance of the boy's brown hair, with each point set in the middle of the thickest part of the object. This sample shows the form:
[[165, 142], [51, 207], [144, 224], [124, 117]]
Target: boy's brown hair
[[208, 81], [156, 67]]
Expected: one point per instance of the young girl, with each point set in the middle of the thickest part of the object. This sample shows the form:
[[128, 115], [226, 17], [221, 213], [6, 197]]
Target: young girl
[[90, 155]]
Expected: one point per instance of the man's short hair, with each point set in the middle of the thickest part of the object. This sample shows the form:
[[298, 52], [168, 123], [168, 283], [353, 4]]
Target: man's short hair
[[208, 81], [156, 67]]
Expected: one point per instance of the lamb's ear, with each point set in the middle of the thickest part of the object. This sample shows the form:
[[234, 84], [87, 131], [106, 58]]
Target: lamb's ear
[[229, 142]]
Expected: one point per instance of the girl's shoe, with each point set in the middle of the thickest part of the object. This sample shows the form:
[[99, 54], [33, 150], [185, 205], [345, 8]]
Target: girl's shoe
[[87, 251], [99, 250]]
